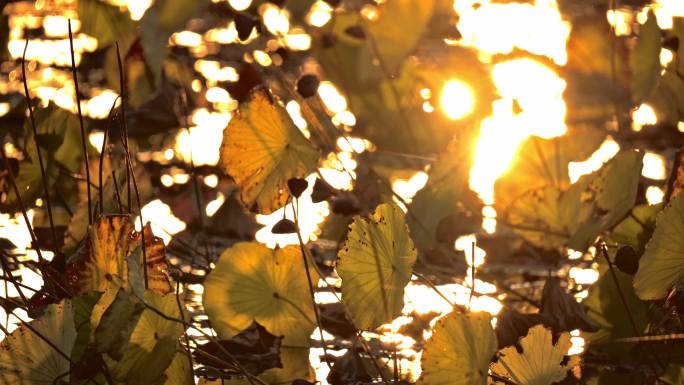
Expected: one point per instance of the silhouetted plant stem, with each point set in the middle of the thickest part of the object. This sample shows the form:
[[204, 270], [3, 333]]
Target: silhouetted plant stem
[[122, 93], [129, 164], [102, 156], [13, 182], [8, 273], [251, 378], [312, 291], [43, 175], [80, 120]]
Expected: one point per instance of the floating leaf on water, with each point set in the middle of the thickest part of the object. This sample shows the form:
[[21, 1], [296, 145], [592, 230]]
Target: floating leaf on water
[[512, 325], [262, 149], [254, 283], [254, 348], [375, 264], [662, 265], [445, 208], [459, 351], [117, 323], [111, 240], [563, 309], [541, 362], [636, 229], [26, 359]]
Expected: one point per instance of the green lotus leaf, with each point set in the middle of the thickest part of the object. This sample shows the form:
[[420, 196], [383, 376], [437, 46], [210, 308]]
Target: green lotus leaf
[[375, 264], [662, 265]]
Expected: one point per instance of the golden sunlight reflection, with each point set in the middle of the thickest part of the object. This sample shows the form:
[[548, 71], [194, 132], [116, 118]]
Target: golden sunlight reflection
[[406, 188], [654, 166], [498, 28], [136, 8], [164, 223], [644, 115], [332, 98], [4, 108], [654, 195], [240, 5], [583, 276], [500, 135], [606, 150], [203, 141], [215, 205], [319, 14], [457, 99], [311, 215]]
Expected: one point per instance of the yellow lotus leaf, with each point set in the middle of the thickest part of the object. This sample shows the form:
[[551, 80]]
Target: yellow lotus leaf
[[262, 149], [375, 264], [459, 351], [541, 361], [27, 359], [254, 283]]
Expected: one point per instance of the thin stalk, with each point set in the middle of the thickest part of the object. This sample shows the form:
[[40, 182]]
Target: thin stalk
[[472, 276], [195, 182], [43, 176], [637, 333], [13, 182], [129, 165], [102, 156], [211, 338], [116, 191], [312, 292], [8, 273], [80, 119], [122, 92], [185, 331]]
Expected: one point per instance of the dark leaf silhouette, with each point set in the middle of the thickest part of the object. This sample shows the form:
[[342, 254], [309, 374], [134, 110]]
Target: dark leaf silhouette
[[254, 348]]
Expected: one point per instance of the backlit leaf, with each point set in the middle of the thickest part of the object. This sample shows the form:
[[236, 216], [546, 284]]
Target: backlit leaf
[[459, 351], [544, 162], [550, 217], [398, 29], [541, 361], [103, 21], [662, 265], [254, 283], [154, 340], [375, 264], [26, 359], [112, 238], [262, 149]]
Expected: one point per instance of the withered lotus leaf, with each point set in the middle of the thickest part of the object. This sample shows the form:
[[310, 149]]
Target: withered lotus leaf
[[104, 254]]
